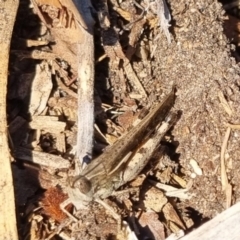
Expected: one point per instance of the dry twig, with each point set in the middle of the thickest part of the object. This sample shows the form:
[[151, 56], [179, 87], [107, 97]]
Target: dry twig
[[225, 184], [86, 85]]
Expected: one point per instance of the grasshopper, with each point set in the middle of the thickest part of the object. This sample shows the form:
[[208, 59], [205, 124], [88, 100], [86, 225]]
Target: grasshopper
[[121, 162]]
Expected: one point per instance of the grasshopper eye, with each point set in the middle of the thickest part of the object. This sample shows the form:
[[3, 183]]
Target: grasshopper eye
[[83, 184]]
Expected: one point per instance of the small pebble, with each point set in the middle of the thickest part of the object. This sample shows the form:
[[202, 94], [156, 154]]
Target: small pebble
[[193, 175], [195, 167]]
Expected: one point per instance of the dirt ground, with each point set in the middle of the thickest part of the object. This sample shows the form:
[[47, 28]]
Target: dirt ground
[[203, 64]]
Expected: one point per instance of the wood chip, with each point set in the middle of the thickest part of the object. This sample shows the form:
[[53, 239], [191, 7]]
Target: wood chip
[[40, 89], [179, 180], [47, 123], [171, 215], [150, 220], [41, 158], [60, 142], [154, 199]]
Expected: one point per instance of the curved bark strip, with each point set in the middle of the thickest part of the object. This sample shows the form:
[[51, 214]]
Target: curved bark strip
[[8, 227]]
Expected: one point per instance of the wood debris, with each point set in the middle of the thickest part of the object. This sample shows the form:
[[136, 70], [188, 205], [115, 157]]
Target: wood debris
[[79, 80]]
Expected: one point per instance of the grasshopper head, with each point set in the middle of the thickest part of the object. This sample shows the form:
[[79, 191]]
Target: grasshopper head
[[82, 183]]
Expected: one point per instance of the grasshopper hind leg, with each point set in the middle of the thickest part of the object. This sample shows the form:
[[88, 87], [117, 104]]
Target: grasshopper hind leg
[[116, 216], [63, 208]]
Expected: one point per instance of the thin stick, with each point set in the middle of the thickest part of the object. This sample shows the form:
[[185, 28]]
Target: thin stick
[[224, 178], [233, 126]]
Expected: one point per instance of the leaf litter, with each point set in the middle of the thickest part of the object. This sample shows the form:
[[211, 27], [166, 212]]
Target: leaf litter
[[43, 84]]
